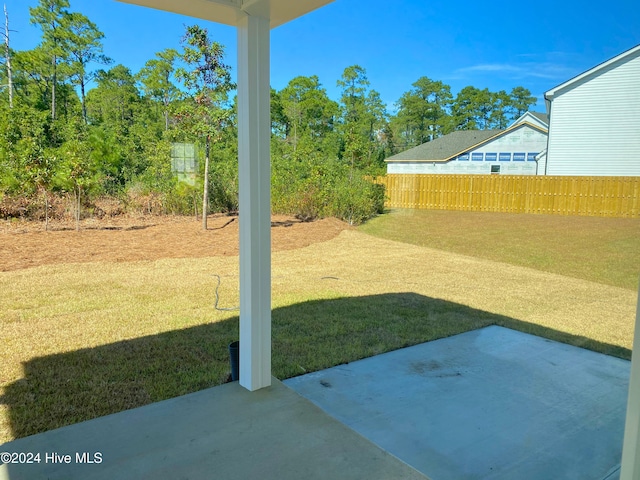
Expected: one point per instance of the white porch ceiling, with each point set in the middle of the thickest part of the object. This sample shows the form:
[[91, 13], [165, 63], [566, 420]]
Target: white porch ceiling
[[229, 12]]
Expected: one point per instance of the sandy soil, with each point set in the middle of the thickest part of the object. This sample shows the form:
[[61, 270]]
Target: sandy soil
[[122, 239]]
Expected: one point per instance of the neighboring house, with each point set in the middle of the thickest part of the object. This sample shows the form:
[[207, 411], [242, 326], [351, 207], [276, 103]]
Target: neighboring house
[[512, 151], [594, 124]]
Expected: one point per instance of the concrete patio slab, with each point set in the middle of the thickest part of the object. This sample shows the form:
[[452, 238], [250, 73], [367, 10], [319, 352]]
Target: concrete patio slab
[[224, 432], [488, 404]]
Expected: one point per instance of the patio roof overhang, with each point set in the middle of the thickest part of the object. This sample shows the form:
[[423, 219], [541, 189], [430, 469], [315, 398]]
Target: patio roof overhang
[[230, 12], [254, 19]]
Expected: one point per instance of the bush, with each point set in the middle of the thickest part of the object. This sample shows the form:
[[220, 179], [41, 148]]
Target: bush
[[223, 188], [357, 199], [311, 190]]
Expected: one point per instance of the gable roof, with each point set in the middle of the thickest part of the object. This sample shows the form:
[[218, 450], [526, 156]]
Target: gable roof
[[534, 118], [593, 72], [455, 143]]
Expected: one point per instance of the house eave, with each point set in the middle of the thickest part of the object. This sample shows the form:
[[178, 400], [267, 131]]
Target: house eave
[[414, 160]]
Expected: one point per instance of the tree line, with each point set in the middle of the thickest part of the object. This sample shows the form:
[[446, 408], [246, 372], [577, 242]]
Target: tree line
[[76, 125]]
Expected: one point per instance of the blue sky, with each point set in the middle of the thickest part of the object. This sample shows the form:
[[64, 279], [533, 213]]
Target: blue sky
[[496, 45]]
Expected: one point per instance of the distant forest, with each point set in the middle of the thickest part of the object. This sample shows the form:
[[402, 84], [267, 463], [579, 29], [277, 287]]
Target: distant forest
[[79, 131]]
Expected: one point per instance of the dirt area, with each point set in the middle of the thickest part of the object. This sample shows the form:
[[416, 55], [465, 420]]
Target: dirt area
[[123, 239]]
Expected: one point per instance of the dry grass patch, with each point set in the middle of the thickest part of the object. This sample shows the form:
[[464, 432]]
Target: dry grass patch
[[84, 340]]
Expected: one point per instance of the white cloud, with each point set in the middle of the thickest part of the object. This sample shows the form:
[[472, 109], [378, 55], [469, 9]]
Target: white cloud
[[544, 70], [491, 67]]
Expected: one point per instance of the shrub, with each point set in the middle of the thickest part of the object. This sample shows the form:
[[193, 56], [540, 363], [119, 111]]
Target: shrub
[[311, 190], [223, 188], [357, 199]]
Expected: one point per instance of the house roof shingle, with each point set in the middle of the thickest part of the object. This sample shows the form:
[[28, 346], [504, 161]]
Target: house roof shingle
[[543, 117], [443, 148]]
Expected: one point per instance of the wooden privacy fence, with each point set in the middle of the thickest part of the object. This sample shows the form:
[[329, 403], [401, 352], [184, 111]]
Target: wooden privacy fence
[[592, 196]]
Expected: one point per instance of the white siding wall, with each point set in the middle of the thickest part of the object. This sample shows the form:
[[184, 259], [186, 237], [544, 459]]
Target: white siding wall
[[594, 127], [506, 168], [524, 140]]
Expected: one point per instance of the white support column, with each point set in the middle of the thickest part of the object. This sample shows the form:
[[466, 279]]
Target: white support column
[[630, 465], [254, 134]]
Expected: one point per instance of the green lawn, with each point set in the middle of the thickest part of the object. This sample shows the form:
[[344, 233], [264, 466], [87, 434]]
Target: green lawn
[[603, 250], [85, 340]]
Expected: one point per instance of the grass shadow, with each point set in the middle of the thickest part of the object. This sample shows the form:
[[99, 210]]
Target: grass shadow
[[67, 388]]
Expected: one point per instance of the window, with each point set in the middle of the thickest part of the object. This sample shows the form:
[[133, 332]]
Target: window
[[183, 162], [464, 157], [519, 156], [183, 157], [491, 157], [531, 156], [495, 169], [505, 157], [477, 157]]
